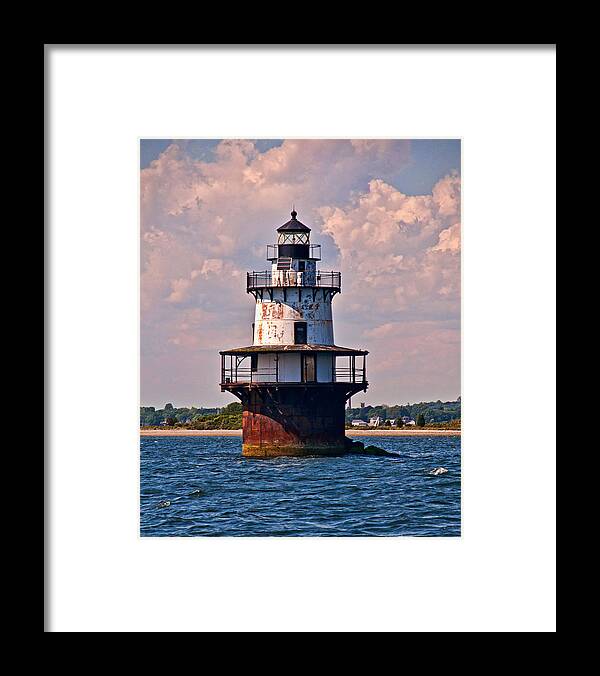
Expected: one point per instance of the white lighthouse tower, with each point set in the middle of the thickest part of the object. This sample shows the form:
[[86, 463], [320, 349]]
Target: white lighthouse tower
[[293, 380]]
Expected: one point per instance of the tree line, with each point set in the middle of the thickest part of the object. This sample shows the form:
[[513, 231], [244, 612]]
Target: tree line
[[422, 413], [226, 418], [230, 416]]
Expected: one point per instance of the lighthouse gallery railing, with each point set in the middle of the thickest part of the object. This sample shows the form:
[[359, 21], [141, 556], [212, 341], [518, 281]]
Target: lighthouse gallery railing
[[238, 369], [287, 278]]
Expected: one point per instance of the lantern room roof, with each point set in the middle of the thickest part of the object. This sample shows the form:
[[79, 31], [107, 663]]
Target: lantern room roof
[[293, 225]]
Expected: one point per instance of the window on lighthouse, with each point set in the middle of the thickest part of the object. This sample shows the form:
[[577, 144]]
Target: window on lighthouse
[[300, 333]]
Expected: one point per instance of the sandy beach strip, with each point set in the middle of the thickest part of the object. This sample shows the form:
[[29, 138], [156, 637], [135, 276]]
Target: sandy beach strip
[[349, 433], [190, 433]]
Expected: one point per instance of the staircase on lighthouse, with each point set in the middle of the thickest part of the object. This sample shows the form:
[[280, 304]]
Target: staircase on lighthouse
[[293, 381]]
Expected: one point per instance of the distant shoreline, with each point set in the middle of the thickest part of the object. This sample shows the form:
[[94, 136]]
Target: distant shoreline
[[402, 433], [349, 433]]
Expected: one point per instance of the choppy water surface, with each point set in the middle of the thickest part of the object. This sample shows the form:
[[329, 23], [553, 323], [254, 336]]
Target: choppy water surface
[[213, 490]]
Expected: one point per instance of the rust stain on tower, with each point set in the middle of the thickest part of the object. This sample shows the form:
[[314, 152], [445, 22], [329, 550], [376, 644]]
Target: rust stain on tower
[[293, 381]]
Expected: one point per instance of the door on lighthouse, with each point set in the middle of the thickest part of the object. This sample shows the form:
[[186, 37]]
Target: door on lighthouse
[[309, 372]]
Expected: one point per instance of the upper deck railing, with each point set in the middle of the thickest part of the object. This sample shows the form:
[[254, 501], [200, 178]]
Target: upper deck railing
[[287, 278]]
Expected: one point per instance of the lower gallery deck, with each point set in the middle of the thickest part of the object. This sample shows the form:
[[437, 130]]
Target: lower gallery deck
[[293, 396]]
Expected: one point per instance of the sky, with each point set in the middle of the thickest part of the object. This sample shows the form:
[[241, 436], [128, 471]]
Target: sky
[[387, 213]]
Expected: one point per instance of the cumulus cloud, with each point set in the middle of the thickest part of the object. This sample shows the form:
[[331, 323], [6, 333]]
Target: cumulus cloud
[[400, 257], [404, 248], [205, 223]]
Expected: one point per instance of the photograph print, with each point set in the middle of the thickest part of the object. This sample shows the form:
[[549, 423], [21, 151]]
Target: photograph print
[[300, 309]]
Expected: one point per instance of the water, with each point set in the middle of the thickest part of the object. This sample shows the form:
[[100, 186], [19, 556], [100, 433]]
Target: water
[[213, 490]]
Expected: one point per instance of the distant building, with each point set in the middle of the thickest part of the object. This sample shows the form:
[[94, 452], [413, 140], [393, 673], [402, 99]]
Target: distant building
[[359, 423], [375, 422], [410, 422], [406, 419], [393, 422]]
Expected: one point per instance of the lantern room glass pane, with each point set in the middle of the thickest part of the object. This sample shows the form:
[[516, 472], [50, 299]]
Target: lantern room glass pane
[[293, 238]]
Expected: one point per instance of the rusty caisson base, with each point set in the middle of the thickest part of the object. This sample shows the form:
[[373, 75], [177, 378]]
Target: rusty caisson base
[[294, 420]]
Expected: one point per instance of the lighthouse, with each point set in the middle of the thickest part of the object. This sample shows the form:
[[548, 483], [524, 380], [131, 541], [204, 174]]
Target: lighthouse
[[293, 381]]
